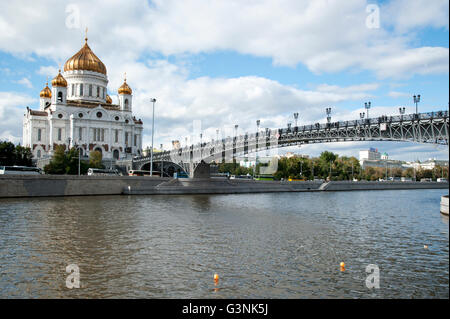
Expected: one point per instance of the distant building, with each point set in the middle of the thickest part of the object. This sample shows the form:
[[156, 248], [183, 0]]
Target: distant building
[[78, 112], [373, 158], [371, 154], [429, 164], [291, 154], [381, 163], [247, 164]]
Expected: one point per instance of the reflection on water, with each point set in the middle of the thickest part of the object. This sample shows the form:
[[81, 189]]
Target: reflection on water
[[275, 245]]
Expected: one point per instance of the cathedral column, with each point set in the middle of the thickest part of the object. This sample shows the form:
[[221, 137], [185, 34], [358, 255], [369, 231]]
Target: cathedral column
[[72, 141], [88, 137], [50, 134]]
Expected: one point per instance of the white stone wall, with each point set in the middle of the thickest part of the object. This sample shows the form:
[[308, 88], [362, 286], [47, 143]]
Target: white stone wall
[[87, 79]]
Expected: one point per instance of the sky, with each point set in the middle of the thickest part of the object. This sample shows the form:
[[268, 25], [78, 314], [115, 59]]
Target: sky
[[234, 62]]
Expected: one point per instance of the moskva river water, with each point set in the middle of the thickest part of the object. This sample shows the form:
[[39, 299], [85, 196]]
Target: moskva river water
[[272, 245]]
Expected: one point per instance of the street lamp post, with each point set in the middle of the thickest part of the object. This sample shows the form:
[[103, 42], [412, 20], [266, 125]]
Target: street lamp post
[[296, 118], [367, 107], [162, 161], [201, 147], [328, 110], [258, 122], [153, 100], [235, 144], [416, 100]]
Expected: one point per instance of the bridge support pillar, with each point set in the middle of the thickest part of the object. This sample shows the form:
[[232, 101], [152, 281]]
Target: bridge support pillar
[[202, 170]]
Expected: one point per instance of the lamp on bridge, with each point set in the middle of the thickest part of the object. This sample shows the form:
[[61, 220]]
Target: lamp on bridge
[[201, 146], [328, 110], [257, 140], [367, 106], [153, 100], [361, 115], [416, 101]]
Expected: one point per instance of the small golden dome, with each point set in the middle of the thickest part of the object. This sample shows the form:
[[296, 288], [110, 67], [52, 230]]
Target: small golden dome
[[46, 92], [108, 99], [59, 80], [124, 88], [86, 60]]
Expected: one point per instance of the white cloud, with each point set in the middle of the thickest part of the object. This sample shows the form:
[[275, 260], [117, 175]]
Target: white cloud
[[396, 94], [405, 15], [49, 71], [12, 108], [26, 82], [324, 35]]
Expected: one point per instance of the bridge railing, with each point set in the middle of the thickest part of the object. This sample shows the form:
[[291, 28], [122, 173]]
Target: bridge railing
[[262, 135]]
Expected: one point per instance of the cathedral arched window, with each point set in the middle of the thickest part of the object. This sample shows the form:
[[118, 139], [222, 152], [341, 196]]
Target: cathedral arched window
[[39, 154], [60, 96], [39, 134], [73, 90], [98, 91], [81, 89], [126, 104], [90, 89]]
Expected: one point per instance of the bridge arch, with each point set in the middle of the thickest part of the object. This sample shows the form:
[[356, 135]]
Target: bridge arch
[[169, 168]]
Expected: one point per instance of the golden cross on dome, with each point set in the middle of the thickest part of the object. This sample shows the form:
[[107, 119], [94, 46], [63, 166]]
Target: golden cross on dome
[[125, 77], [86, 38]]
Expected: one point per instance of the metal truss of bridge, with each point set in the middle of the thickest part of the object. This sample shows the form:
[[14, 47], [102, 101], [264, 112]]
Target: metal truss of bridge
[[421, 128]]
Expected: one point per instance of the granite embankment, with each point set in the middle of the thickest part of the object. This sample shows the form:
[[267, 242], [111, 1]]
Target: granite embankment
[[68, 185], [57, 185]]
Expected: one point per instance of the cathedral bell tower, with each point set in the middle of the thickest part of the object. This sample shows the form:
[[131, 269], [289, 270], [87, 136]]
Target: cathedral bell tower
[[59, 89], [125, 97]]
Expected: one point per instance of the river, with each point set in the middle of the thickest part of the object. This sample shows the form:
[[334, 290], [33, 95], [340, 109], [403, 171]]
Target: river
[[271, 245]]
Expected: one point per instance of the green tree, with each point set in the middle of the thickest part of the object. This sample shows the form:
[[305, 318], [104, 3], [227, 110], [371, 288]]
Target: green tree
[[58, 163], [23, 156], [65, 162], [95, 160], [15, 155], [7, 154]]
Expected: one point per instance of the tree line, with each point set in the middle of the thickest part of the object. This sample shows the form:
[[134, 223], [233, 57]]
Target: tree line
[[18, 155], [66, 162], [331, 166]]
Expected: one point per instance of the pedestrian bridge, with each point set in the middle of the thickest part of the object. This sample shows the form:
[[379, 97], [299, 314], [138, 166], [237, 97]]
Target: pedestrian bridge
[[430, 127]]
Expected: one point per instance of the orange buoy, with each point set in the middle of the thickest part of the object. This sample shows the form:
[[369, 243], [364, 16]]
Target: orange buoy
[[425, 246], [342, 264], [216, 277]]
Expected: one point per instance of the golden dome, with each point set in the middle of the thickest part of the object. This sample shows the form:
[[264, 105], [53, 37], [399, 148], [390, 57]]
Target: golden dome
[[59, 80], [85, 59], [108, 99], [124, 88], [46, 92]]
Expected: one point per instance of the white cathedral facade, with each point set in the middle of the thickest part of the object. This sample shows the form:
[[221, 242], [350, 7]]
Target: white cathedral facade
[[78, 112]]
